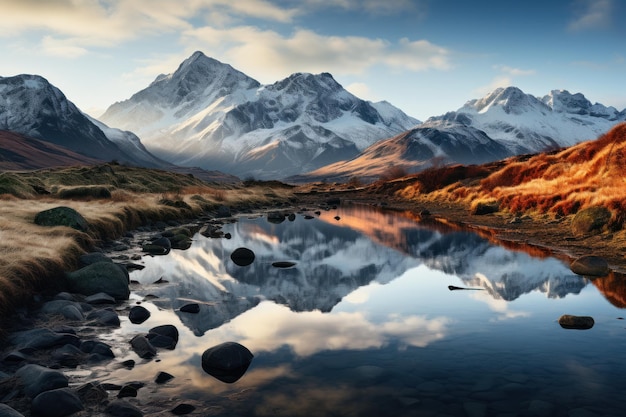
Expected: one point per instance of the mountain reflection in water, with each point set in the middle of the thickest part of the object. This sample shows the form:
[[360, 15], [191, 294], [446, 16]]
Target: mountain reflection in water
[[364, 323]]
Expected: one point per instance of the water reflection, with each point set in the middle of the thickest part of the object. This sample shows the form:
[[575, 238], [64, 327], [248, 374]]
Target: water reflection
[[364, 322]]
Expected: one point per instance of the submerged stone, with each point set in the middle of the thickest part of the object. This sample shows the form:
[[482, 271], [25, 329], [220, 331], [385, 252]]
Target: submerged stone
[[227, 361], [590, 265], [576, 322], [242, 256]]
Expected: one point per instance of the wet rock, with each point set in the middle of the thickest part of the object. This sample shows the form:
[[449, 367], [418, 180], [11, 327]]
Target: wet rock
[[163, 377], [227, 361], [97, 347], [142, 347], [291, 217], [56, 403], [242, 256], [483, 208], [69, 356], [275, 217], [590, 265], [576, 322], [592, 220], [155, 249], [92, 258], [138, 314], [337, 218], [193, 308], [223, 211], [91, 393], [283, 264], [308, 217], [6, 411], [121, 408], [62, 216], [99, 277], [105, 318], [180, 241], [182, 409], [165, 336], [100, 298], [14, 357], [127, 391], [37, 379], [57, 306], [163, 242], [42, 339]]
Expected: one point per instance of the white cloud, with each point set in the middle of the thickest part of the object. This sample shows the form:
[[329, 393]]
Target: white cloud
[[376, 7], [497, 82], [592, 14], [514, 71], [268, 55], [361, 90], [61, 48]]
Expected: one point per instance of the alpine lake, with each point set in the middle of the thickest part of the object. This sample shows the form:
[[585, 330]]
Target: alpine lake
[[372, 313]]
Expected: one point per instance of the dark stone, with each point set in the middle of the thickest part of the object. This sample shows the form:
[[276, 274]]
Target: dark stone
[[275, 217], [592, 220], [163, 242], [69, 356], [99, 277], [15, 357], [337, 218], [37, 379], [97, 347], [142, 347], [242, 256], [576, 322], [192, 308], [182, 409], [308, 217], [121, 408], [62, 216], [163, 377], [138, 314], [590, 265], [92, 258], [283, 264], [223, 211], [56, 403], [127, 391], [155, 249], [291, 217], [105, 317], [165, 336], [481, 209], [91, 393], [42, 339], [100, 298], [227, 361], [6, 411]]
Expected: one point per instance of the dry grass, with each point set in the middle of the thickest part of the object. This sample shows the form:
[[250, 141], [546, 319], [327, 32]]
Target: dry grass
[[34, 258], [558, 183]]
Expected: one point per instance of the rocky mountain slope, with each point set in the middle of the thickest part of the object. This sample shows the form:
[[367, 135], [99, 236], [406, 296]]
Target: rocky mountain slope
[[504, 123], [210, 115], [31, 106]]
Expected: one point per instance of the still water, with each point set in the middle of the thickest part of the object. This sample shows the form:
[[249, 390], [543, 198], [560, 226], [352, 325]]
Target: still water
[[364, 323]]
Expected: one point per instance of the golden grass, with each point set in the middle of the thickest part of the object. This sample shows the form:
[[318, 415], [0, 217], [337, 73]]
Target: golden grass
[[558, 183], [34, 258]]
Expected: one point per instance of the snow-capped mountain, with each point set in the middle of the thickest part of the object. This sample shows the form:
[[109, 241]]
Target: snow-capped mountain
[[31, 106], [527, 124], [505, 122], [210, 115]]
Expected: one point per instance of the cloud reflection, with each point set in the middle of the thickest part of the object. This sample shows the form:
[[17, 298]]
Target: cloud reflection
[[270, 326]]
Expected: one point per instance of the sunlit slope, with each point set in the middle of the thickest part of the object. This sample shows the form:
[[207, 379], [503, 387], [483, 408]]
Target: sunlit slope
[[592, 173]]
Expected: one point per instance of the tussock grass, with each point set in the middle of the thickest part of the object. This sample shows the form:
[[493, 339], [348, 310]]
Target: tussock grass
[[34, 258], [557, 183]]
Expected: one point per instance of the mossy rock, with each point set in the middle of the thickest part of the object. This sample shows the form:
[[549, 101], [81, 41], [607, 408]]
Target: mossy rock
[[95, 191], [62, 216], [590, 221], [106, 277], [482, 208]]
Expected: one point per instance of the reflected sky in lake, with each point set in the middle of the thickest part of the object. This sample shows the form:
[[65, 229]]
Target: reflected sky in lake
[[364, 323]]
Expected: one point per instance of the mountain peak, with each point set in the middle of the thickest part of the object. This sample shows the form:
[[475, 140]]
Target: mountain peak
[[304, 81], [562, 101], [511, 100]]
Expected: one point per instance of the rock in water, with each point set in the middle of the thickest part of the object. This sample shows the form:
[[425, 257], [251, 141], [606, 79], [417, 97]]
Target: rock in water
[[227, 361], [62, 216], [242, 256], [590, 265], [56, 403], [576, 322], [103, 277], [138, 314]]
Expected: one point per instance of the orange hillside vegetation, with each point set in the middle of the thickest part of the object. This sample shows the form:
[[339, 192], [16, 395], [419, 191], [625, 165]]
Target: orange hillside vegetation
[[591, 173]]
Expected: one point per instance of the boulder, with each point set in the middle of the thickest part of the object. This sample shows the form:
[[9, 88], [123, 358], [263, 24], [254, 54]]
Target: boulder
[[576, 322], [590, 265], [165, 336], [138, 314], [163, 377], [105, 317], [592, 220], [275, 217], [99, 277], [142, 347], [182, 409], [100, 298], [6, 411], [62, 216], [37, 379], [483, 208], [121, 408], [242, 256], [223, 211], [227, 361], [42, 339], [93, 257], [56, 403]]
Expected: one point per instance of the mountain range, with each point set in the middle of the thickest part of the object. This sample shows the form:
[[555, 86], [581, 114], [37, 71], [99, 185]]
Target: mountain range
[[210, 115], [305, 127]]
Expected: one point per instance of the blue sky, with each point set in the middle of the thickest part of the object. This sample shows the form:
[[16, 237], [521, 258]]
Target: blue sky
[[424, 56]]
